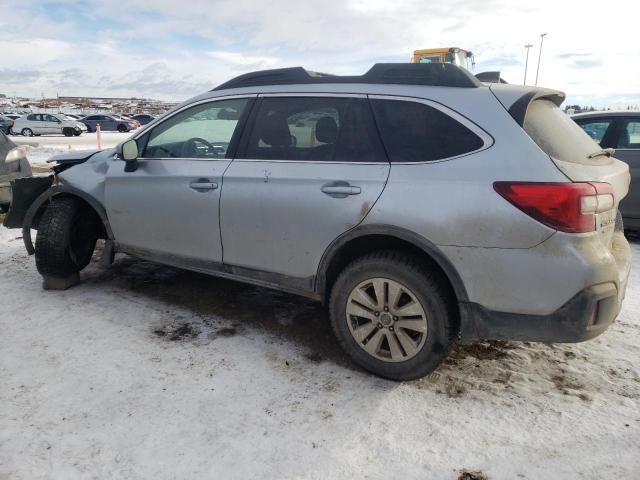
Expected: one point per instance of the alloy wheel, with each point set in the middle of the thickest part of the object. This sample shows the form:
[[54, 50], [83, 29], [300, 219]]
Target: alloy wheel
[[386, 319]]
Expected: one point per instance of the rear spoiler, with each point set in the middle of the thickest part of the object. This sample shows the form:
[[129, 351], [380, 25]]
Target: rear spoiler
[[516, 99]]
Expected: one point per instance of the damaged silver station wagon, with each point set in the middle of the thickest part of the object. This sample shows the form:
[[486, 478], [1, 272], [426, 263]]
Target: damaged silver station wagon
[[418, 203]]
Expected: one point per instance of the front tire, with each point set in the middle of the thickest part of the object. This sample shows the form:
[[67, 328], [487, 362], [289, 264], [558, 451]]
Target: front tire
[[392, 315], [68, 132], [67, 235], [122, 128]]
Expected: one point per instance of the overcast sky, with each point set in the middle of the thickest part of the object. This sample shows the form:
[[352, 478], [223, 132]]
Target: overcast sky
[[174, 49]]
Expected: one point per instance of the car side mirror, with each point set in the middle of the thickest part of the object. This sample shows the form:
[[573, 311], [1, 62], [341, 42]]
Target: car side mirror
[[129, 153]]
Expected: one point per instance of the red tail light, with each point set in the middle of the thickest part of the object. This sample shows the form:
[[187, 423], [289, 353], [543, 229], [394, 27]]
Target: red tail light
[[568, 207]]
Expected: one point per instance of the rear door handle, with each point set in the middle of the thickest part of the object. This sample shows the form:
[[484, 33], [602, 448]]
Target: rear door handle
[[203, 185], [340, 189]]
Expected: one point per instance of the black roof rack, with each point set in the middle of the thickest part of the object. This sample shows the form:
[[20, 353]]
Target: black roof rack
[[432, 74]]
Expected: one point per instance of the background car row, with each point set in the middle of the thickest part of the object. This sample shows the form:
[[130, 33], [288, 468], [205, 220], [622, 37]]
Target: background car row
[[69, 124]]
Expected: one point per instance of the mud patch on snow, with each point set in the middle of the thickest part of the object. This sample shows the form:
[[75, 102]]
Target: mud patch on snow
[[568, 386], [490, 350], [471, 475], [314, 357], [174, 333], [221, 306]]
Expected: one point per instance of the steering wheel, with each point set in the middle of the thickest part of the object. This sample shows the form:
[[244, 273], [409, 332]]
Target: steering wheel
[[190, 148]]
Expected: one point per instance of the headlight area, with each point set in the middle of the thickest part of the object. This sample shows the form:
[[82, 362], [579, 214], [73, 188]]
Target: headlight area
[[15, 155]]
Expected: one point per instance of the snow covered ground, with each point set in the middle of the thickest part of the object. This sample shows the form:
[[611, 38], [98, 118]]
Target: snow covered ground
[[145, 371]]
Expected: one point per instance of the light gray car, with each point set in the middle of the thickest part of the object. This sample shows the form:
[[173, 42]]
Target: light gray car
[[418, 203], [47, 124], [620, 131]]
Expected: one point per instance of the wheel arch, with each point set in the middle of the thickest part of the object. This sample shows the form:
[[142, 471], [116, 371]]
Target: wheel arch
[[45, 197], [364, 239]]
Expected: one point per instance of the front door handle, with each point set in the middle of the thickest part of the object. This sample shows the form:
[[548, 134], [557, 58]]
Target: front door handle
[[203, 185], [340, 189]]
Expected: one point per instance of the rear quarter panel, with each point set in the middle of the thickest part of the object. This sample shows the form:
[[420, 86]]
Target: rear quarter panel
[[452, 202]]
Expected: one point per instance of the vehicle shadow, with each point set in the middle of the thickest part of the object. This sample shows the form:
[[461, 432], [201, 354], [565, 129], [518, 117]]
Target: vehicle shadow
[[225, 307], [220, 308]]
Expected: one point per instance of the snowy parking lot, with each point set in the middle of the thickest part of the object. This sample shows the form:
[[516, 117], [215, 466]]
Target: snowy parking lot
[[146, 371]]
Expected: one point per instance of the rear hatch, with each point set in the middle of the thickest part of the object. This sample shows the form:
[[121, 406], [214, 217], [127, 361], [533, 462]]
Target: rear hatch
[[579, 158]]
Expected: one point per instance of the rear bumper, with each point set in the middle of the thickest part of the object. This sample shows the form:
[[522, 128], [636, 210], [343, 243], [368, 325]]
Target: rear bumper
[[584, 317]]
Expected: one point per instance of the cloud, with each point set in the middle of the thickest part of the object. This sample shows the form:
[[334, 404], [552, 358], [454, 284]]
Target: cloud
[[573, 55], [588, 63], [173, 50]]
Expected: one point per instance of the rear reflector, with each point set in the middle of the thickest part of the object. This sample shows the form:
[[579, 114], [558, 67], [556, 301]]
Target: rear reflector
[[568, 207]]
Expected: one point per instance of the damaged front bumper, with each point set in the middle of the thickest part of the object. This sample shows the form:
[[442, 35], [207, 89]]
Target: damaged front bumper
[[28, 195]]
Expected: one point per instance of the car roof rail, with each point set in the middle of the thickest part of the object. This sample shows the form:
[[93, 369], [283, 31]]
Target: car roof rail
[[427, 74]]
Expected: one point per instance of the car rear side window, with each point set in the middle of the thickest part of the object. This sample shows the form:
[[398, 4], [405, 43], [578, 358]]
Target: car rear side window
[[596, 128], [415, 132], [629, 136], [314, 129]]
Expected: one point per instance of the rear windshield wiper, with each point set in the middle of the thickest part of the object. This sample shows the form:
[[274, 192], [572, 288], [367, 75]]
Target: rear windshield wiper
[[605, 151]]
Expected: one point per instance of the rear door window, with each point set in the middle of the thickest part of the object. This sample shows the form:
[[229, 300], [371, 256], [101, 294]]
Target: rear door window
[[314, 129], [596, 128], [629, 135], [416, 132]]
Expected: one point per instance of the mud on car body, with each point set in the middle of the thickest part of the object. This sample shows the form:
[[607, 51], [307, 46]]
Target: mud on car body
[[418, 203]]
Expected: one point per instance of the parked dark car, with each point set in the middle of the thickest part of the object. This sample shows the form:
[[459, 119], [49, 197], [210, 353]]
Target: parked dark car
[[144, 118], [621, 131], [5, 124], [108, 123], [13, 164]]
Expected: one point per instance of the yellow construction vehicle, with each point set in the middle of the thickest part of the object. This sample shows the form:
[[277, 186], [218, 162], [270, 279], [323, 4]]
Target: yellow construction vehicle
[[454, 55]]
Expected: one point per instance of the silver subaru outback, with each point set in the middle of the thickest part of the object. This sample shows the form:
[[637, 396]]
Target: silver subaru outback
[[421, 205]]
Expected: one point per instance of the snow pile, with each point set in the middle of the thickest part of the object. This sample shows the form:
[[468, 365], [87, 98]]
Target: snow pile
[[146, 371]]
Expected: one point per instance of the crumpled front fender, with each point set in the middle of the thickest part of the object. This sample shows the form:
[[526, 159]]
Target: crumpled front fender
[[30, 192]]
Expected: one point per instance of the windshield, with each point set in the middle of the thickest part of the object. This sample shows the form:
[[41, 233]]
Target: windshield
[[460, 58]]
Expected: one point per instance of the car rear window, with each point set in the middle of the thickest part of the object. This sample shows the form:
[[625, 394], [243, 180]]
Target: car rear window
[[557, 135]]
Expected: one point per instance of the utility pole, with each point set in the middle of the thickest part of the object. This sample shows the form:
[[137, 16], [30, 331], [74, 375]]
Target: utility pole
[[526, 62], [542, 35]]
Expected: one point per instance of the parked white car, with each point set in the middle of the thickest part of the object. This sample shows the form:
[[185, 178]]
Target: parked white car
[[47, 124]]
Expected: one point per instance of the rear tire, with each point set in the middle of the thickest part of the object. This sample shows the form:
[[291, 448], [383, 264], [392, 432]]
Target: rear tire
[[27, 132], [406, 283], [122, 128], [67, 235]]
